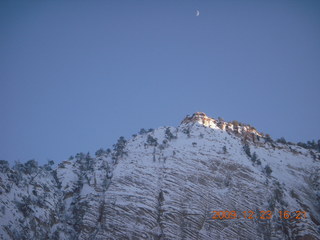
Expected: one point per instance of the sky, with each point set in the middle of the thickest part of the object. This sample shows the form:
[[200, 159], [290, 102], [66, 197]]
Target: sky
[[77, 75]]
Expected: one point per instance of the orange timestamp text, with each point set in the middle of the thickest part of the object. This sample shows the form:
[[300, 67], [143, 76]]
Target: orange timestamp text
[[258, 214]]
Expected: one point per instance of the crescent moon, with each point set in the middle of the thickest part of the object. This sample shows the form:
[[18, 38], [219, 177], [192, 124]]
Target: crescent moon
[[197, 13]]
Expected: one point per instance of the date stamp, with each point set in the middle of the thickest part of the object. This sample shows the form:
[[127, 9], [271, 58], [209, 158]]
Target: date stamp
[[221, 215]]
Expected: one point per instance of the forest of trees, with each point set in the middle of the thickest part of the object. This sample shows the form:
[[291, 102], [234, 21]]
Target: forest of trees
[[32, 166]]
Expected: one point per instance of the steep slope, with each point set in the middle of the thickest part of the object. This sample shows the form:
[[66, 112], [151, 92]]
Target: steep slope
[[165, 184]]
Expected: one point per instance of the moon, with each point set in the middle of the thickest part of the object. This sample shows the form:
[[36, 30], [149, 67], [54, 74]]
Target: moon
[[197, 13]]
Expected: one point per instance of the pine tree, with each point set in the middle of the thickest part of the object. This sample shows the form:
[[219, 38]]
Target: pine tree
[[224, 149], [30, 166], [152, 141], [48, 166], [254, 157], [142, 131], [4, 166], [100, 152], [119, 148], [268, 170], [186, 131], [282, 140], [246, 149], [268, 138], [169, 135]]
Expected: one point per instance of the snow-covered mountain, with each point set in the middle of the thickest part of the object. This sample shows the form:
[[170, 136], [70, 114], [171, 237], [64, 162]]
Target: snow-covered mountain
[[169, 183]]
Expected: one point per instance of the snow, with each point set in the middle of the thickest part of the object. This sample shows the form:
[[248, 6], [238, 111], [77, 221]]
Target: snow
[[122, 198]]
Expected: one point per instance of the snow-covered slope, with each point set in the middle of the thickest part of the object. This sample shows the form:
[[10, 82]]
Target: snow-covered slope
[[165, 184]]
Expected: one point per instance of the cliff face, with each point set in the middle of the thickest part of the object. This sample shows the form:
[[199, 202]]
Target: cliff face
[[164, 184]]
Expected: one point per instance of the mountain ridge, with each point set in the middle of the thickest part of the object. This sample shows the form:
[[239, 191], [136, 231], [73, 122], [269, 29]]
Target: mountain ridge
[[164, 184]]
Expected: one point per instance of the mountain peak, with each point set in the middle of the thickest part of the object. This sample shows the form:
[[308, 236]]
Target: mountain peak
[[196, 172], [200, 117], [235, 127]]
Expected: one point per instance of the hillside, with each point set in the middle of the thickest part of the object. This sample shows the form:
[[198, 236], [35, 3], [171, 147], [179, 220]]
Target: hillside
[[166, 184]]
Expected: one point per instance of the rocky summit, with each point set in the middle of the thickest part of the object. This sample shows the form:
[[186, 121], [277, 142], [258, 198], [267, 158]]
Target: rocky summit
[[205, 179]]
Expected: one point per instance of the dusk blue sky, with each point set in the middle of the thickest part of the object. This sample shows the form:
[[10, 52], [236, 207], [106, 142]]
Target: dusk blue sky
[[77, 75]]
